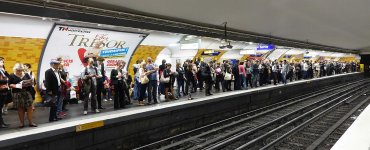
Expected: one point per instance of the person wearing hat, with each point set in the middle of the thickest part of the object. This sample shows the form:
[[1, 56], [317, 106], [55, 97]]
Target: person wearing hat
[[21, 85], [53, 87]]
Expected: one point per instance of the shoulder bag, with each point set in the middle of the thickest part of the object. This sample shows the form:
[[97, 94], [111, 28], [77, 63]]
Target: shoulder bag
[[163, 79], [227, 76], [144, 79]]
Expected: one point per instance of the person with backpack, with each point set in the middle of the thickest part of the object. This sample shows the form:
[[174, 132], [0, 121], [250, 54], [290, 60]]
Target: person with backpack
[[89, 77]]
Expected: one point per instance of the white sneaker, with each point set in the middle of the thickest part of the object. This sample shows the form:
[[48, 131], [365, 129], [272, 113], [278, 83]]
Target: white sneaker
[[85, 112], [110, 99], [105, 100], [97, 111]]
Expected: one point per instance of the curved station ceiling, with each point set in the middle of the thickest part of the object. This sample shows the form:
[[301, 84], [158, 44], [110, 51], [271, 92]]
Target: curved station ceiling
[[339, 23]]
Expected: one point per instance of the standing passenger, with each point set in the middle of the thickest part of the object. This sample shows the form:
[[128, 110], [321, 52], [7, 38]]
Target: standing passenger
[[152, 85], [207, 78], [116, 77], [180, 79], [53, 87], [100, 82], [21, 85], [143, 76], [242, 75], [89, 77], [4, 89], [167, 73], [284, 71], [162, 67], [63, 94]]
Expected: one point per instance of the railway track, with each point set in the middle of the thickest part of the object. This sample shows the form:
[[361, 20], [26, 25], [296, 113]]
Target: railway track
[[229, 133], [326, 130], [264, 136]]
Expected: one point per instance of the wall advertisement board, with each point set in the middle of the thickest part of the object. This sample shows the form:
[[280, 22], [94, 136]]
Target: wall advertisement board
[[73, 44]]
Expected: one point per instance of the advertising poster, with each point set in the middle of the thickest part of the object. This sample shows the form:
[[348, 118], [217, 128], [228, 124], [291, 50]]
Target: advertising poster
[[75, 44]]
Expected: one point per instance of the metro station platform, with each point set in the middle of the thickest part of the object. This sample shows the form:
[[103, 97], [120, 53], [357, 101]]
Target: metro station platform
[[134, 126], [357, 135]]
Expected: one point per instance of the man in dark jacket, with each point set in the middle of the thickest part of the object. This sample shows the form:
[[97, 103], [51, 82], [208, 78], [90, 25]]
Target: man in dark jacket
[[206, 73], [100, 82], [53, 85]]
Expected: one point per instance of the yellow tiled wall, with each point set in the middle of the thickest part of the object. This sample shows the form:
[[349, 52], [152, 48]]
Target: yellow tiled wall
[[21, 50], [200, 51], [142, 53]]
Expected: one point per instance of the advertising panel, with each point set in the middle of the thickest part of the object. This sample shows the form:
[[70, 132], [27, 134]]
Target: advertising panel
[[76, 44]]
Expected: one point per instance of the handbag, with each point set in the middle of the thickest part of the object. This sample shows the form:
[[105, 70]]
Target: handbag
[[144, 80], [3, 86], [49, 100], [227, 76], [163, 79]]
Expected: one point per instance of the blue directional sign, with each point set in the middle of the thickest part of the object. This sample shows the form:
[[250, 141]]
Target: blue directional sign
[[265, 46]]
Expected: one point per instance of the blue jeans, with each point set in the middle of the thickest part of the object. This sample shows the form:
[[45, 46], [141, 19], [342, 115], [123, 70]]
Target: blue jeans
[[152, 91], [180, 84], [283, 76], [243, 82], [305, 74], [161, 88], [136, 89], [60, 103], [255, 79]]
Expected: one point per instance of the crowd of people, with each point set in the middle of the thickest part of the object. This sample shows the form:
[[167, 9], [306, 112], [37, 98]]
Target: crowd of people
[[19, 88], [149, 82]]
